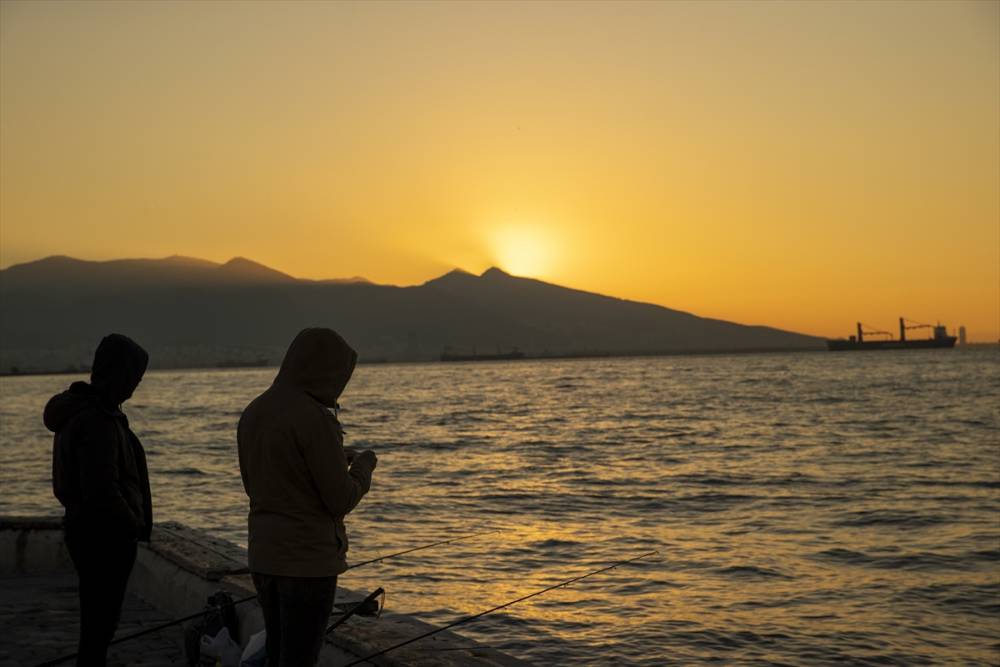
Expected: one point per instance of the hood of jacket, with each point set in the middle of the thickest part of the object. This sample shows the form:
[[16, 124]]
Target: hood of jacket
[[63, 407], [320, 363], [119, 364]]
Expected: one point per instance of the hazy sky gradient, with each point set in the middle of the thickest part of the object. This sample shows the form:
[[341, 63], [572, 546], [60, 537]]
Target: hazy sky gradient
[[797, 164]]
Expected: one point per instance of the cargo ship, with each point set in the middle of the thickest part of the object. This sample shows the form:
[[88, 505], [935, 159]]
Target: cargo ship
[[887, 342]]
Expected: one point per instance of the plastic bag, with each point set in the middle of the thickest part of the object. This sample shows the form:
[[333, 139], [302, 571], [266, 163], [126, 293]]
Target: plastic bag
[[220, 649]]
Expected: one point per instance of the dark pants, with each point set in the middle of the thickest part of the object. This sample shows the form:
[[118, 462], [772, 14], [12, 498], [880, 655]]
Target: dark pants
[[296, 613], [103, 566]]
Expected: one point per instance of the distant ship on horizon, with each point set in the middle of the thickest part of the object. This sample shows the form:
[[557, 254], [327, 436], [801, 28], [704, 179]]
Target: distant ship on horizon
[[858, 342], [513, 355]]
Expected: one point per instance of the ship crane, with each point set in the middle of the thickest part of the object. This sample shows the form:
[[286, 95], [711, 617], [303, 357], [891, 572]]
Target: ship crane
[[904, 327], [872, 331]]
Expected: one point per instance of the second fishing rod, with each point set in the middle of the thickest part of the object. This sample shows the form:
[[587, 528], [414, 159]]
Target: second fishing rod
[[235, 603]]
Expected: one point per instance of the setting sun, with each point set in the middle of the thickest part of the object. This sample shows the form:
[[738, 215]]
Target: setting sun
[[522, 250]]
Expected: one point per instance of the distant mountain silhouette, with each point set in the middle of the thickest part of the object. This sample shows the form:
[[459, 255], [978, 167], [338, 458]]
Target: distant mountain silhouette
[[194, 313], [61, 272]]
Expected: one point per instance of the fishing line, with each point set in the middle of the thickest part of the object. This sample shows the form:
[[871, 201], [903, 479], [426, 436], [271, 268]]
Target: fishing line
[[467, 619], [426, 546]]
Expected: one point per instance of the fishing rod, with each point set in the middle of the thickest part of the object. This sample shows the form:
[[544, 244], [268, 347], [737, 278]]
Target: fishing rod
[[234, 603], [155, 628], [358, 607], [381, 591], [426, 546], [473, 617]]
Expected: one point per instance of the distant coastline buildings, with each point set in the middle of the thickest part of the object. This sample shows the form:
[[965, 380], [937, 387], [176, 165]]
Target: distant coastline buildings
[[961, 335]]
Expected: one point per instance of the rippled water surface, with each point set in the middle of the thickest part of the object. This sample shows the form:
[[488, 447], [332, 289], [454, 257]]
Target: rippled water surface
[[808, 508]]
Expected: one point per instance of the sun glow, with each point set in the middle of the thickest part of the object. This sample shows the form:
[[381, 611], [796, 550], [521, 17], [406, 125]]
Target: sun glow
[[522, 250], [603, 147]]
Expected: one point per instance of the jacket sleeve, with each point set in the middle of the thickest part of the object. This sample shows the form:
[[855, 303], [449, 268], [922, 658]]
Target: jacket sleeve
[[341, 488], [98, 467]]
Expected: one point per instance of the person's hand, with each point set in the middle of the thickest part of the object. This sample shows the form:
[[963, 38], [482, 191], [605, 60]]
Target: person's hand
[[367, 458], [351, 453]]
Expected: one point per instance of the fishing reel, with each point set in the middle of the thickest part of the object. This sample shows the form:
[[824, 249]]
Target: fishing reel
[[370, 607]]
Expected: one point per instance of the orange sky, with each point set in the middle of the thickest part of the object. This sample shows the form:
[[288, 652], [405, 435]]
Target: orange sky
[[798, 164]]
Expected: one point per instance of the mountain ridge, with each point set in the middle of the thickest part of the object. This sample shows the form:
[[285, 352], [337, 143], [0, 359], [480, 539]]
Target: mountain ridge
[[177, 268], [195, 313]]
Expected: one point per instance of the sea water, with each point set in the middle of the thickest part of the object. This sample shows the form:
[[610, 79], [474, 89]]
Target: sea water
[[812, 508]]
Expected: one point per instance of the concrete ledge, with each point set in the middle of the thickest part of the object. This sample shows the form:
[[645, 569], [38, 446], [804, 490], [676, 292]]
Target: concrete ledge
[[197, 551], [182, 566], [32, 545]]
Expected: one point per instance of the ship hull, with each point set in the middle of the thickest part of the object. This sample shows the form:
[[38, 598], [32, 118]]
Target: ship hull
[[853, 345]]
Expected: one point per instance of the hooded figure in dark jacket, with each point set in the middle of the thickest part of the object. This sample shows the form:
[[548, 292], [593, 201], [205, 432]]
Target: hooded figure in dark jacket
[[301, 487], [99, 475]]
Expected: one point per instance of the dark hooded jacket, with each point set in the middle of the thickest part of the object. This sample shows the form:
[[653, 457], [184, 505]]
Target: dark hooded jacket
[[99, 471], [293, 464]]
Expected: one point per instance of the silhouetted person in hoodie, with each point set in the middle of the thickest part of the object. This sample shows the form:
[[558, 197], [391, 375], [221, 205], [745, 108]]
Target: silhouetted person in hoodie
[[301, 487], [99, 475]]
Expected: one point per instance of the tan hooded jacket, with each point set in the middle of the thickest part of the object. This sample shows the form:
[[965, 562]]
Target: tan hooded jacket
[[293, 463]]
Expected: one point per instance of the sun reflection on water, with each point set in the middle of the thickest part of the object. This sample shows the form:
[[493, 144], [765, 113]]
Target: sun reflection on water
[[797, 522]]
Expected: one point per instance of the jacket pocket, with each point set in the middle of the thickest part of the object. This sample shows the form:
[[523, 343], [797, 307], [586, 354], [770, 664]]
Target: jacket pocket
[[341, 532]]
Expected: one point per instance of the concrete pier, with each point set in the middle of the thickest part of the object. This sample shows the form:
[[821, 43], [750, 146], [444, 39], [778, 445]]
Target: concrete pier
[[39, 614], [173, 576]]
